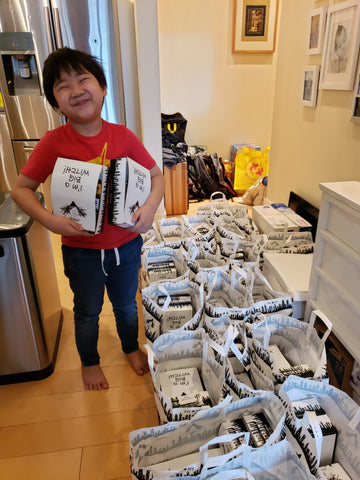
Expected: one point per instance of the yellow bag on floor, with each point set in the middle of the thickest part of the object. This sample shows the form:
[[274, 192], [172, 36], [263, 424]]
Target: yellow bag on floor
[[250, 164]]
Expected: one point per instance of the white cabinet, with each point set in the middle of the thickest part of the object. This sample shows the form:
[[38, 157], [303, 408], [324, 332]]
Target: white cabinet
[[335, 274]]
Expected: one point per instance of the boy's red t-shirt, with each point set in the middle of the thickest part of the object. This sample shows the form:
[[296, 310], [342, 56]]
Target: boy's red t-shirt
[[114, 141]]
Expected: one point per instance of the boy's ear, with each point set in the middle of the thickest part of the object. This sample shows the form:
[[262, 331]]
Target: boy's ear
[[105, 91]]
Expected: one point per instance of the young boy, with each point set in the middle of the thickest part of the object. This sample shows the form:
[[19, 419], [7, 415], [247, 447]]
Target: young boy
[[75, 86]]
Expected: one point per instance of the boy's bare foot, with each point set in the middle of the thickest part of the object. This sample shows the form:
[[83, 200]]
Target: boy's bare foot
[[138, 362], [94, 378]]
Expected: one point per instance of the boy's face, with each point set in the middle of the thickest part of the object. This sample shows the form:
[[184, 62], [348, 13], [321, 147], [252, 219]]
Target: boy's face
[[79, 96]]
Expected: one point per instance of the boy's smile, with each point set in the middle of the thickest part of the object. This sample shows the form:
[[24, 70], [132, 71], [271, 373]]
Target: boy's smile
[[80, 98]]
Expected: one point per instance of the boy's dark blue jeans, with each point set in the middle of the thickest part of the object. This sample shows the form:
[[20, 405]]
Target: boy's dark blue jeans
[[90, 271]]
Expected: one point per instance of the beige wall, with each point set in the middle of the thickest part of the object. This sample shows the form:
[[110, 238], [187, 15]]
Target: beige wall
[[226, 98], [230, 98], [308, 145]]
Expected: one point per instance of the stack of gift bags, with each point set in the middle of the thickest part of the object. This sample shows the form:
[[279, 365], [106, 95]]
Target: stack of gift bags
[[240, 384]]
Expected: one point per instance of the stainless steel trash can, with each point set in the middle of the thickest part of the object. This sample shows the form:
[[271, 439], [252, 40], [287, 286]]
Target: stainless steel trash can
[[30, 310]]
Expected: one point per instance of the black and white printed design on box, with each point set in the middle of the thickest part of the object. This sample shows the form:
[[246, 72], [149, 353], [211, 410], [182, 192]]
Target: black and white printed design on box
[[128, 190], [344, 415], [78, 191]]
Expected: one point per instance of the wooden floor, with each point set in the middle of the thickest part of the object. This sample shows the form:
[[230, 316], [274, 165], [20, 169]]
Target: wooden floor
[[53, 429]]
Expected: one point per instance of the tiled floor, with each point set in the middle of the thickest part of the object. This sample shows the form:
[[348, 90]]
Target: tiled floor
[[53, 429]]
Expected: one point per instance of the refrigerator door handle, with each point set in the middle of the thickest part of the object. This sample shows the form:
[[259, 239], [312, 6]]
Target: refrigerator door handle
[[49, 35], [58, 36]]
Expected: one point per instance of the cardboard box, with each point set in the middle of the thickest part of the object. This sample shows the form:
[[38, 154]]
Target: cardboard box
[[181, 381], [258, 427], [161, 270], [129, 188], [303, 224], [334, 471], [279, 358], [328, 435], [308, 404], [197, 399], [78, 191], [176, 189], [230, 427], [244, 378], [303, 370], [184, 460], [285, 368], [269, 219], [177, 313]]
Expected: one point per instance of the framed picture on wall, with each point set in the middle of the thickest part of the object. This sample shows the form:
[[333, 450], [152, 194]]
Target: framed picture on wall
[[310, 85], [341, 46], [355, 117], [316, 31], [254, 26]]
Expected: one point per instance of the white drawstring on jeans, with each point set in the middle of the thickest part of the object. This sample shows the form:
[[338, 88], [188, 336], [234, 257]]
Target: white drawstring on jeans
[[117, 256]]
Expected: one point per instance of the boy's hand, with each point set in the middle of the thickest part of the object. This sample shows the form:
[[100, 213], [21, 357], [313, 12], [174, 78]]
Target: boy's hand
[[65, 226], [144, 217]]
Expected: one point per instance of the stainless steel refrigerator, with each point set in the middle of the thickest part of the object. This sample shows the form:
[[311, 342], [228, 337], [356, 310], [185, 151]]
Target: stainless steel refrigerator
[[29, 31], [30, 310]]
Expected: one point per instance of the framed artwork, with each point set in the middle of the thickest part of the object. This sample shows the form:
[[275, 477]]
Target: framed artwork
[[341, 46], [254, 26], [316, 31], [355, 117], [310, 85]]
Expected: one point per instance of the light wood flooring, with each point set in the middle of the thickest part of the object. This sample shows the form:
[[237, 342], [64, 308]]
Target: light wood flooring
[[53, 429]]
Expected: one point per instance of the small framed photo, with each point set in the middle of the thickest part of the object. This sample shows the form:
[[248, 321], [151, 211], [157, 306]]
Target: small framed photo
[[254, 26], [341, 46], [310, 85], [316, 31]]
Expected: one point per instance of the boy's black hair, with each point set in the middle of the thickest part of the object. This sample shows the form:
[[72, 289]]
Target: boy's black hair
[[68, 59]]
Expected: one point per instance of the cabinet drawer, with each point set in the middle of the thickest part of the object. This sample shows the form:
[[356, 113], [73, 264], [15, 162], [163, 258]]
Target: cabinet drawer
[[339, 262], [343, 315], [345, 225]]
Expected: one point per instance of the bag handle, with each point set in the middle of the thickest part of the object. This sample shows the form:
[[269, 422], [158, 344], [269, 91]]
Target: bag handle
[[193, 252], [150, 356], [267, 333], [234, 475], [325, 320], [211, 282], [229, 338], [223, 197], [236, 351], [222, 459], [167, 301]]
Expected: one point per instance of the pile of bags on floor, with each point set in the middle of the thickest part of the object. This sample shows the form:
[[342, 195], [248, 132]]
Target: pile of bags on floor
[[205, 171], [240, 385]]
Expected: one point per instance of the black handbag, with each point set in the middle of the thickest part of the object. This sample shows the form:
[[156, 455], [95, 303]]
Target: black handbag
[[174, 123]]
